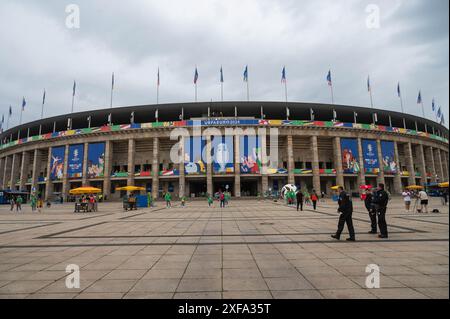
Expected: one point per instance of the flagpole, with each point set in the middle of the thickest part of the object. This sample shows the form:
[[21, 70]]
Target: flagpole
[[248, 92], [423, 110], [112, 89], [332, 95], [157, 89], [221, 91], [285, 90], [371, 101], [401, 103], [195, 91], [20, 123], [73, 96], [42, 108]]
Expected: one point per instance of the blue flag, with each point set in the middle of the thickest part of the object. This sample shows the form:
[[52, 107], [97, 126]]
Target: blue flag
[[439, 113], [246, 74], [368, 84], [112, 82], [419, 98], [195, 76], [432, 105], [23, 103], [10, 110], [221, 74], [43, 97], [74, 88], [329, 78], [283, 75], [398, 89]]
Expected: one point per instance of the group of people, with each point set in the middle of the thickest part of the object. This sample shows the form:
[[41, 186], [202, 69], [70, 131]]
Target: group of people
[[87, 203], [421, 200], [304, 197]]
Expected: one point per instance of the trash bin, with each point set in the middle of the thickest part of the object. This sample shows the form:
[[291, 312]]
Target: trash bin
[[141, 201]]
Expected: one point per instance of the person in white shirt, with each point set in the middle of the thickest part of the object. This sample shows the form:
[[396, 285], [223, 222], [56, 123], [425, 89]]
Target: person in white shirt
[[423, 201], [407, 199]]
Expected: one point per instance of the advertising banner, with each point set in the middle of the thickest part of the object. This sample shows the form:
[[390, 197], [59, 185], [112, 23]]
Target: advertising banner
[[194, 163], [350, 156], [250, 154], [57, 163], [96, 160], [387, 154], [222, 154], [370, 156], [75, 161]]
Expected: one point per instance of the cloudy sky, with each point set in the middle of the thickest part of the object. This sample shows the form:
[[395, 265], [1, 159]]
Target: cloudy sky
[[410, 44]]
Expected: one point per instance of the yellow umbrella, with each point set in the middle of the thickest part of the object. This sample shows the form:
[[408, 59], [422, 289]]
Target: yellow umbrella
[[85, 190], [414, 187], [130, 188], [335, 187], [444, 184]]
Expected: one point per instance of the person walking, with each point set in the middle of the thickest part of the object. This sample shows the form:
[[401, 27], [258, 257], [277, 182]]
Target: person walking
[[210, 200], [370, 206], [33, 202], [183, 201], [314, 199], [381, 200], [19, 202], [168, 198], [346, 210], [222, 199], [12, 201], [407, 199], [423, 197], [307, 198], [149, 199], [299, 198]]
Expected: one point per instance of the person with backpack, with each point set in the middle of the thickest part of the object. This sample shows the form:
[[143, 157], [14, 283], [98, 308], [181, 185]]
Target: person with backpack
[[314, 199], [381, 200], [346, 210]]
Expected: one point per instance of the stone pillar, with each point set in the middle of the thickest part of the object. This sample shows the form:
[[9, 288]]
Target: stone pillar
[[422, 166], [264, 177], [182, 178], [338, 161], [14, 170], [5, 169], [48, 182], [444, 162], [36, 168], [23, 169], [290, 160], [362, 173], [209, 166], [397, 176], [65, 179], [380, 175], [437, 157], [84, 179], [108, 167], [2, 169], [155, 168], [410, 164], [237, 166], [315, 163], [131, 157], [431, 163]]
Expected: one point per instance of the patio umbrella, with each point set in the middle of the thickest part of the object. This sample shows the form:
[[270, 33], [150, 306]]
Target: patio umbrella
[[444, 184], [335, 187], [414, 187], [130, 188], [85, 190]]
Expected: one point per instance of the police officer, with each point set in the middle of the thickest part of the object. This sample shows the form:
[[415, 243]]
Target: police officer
[[346, 210], [381, 200], [371, 208]]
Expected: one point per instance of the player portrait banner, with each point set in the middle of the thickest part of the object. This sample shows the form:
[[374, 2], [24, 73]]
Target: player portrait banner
[[370, 156], [96, 160], [75, 161], [222, 154], [250, 154], [387, 154], [194, 163], [57, 163], [350, 156]]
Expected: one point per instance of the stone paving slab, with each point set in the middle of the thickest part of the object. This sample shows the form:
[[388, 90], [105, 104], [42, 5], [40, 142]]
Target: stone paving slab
[[251, 249]]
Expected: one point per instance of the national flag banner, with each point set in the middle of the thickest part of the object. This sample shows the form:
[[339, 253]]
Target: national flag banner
[[246, 74], [283, 75], [23, 103], [74, 88], [398, 89], [329, 78], [195, 76], [368, 84], [112, 81], [439, 113], [157, 78], [432, 105], [442, 119], [10, 110], [221, 75], [419, 98]]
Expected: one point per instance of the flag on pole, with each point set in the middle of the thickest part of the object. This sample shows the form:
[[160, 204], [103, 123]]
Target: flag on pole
[[442, 119], [246, 74], [398, 90], [3, 118], [157, 78], [329, 78], [10, 110], [112, 82], [283, 75], [368, 84], [74, 88], [23, 103], [439, 113], [419, 98], [195, 76], [432, 105], [43, 97], [221, 74]]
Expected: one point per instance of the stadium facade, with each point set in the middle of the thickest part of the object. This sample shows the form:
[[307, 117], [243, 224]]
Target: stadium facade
[[311, 145]]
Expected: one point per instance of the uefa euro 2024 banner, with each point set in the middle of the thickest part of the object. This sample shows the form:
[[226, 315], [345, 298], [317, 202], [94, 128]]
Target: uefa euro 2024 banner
[[96, 160], [75, 161], [250, 154], [370, 155], [194, 161], [387, 153], [222, 154], [57, 163], [350, 156]]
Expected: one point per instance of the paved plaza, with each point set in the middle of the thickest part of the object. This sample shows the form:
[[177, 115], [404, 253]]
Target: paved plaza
[[250, 249]]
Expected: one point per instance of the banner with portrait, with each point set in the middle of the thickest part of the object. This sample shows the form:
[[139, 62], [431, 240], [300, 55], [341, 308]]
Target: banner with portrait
[[96, 160], [222, 154], [387, 154], [75, 161], [194, 163], [350, 156], [57, 163], [250, 154], [370, 156]]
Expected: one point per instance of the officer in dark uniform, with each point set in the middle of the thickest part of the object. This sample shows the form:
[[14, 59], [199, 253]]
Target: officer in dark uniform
[[346, 210], [371, 208], [381, 200]]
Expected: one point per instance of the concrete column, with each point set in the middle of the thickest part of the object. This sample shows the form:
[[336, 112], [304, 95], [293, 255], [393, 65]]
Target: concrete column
[[14, 170], [131, 158], [107, 172], [48, 182], [84, 179], [65, 179], [380, 175], [338, 161], [209, 166], [397, 176], [182, 178], [36, 168], [439, 169], [315, 163], [444, 162], [362, 173], [290, 160], [410, 163], [237, 166], [5, 169], [431, 163], [2, 168], [23, 169], [422, 165], [155, 168], [264, 177]]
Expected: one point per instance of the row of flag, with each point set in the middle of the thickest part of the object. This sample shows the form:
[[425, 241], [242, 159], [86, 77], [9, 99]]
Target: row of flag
[[437, 111]]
